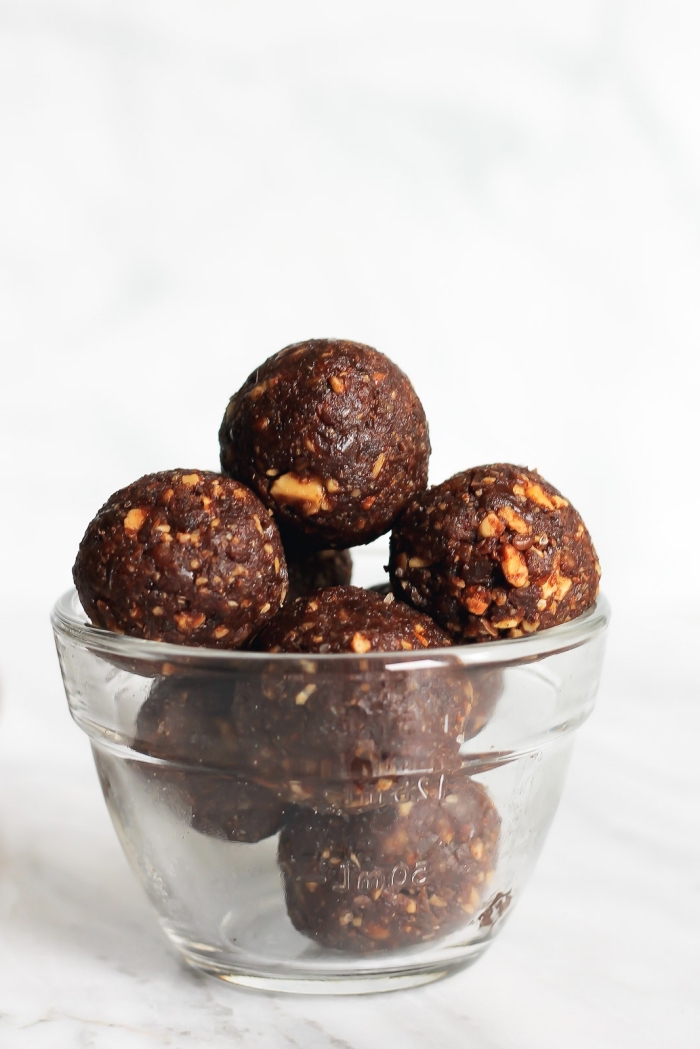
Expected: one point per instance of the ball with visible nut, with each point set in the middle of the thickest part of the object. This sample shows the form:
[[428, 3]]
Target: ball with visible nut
[[494, 552], [343, 738], [187, 721], [184, 556], [332, 436], [395, 876], [352, 620]]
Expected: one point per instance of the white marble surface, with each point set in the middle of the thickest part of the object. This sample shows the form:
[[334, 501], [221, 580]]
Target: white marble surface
[[506, 201]]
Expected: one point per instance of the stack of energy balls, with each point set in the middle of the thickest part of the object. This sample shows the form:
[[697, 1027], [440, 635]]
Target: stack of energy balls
[[385, 841]]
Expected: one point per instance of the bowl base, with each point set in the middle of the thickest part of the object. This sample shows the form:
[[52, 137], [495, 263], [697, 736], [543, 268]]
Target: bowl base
[[302, 980]]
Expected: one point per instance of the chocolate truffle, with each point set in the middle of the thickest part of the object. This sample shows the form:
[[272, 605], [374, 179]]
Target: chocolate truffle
[[395, 876], [188, 721], [494, 552], [331, 436], [184, 556], [343, 740]]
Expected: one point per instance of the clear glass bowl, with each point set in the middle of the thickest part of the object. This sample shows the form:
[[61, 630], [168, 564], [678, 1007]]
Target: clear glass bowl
[[331, 824]]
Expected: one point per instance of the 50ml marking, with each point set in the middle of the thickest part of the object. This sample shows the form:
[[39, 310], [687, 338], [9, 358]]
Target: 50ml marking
[[352, 879]]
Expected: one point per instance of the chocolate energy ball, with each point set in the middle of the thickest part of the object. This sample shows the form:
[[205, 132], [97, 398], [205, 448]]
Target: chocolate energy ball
[[218, 805], [395, 876], [494, 552], [184, 556], [188, 721], [311, 569], [344, 739], [351, 620], [332, 437]]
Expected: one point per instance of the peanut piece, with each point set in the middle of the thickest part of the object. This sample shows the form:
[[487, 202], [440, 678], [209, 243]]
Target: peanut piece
[[491, 526], [379, 462], [307, 493], [514, 566], [538, 495], [513, 520], [189, 621], [134, 520]]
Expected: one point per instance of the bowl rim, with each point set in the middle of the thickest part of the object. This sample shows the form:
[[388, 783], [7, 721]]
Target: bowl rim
[[70, 622]]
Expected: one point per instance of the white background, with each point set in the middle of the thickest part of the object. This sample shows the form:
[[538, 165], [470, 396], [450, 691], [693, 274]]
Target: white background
[[503, 198]]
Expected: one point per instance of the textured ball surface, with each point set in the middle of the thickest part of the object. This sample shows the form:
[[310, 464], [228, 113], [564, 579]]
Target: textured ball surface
[[494, 552], [344, 736], [184, 556], [331, 435], [188, 721], [395, 876]]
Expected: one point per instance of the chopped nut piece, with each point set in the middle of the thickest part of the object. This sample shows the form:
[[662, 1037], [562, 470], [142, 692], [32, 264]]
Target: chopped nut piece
[[307, 493], [514, 521], [134, 520], [337, 384], [190, 479], [563, 588], [417, 562], [360, 643], [379, 462], [538, 495], [477, 603], [491, 526], [301, 697], [514, 566], [506, 624], [189, 621]]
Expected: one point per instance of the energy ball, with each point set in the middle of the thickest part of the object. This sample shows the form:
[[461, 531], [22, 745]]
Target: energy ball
[[345, 740], [184, 556], [311, 569], [352, 620], [331, 435], [217, 805], [494, 552], [188, 721], [394, 876]]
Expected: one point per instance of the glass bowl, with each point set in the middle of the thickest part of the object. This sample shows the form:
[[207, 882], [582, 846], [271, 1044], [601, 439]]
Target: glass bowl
[[331, 823]]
